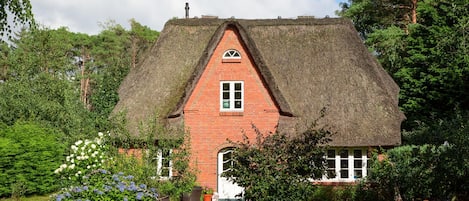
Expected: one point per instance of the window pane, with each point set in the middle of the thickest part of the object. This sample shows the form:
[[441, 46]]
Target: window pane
[[358, 174], [237, 104], [227, 156], [237, 95], [165, 162], [226, 104], [330, 174], [344, 174], [357, 164], [227, 54], [165, 172], [237, 86], [226, 95], [330, 153], [344, 163], [236, 54], [331, 163], [226, 86], [344, 154], [226, 166], [357, 153]]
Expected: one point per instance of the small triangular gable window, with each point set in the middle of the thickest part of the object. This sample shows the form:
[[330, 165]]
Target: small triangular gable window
[[231, 54]]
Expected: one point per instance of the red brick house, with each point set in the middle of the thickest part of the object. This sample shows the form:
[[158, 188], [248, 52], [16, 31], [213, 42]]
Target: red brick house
[[220, 76]]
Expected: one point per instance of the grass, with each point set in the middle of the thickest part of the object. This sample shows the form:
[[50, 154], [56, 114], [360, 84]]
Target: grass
[[29, 198]]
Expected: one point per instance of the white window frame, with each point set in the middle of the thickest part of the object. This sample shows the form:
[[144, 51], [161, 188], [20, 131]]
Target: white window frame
[[232, 99], [159, 164], [231, 54], [350, 159]]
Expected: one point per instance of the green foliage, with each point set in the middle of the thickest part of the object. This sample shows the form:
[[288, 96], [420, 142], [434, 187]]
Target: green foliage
[[141, 38], [87, 181], [29, 153], [435, 66], [334, 193], [279, 166], [207, 190], [103, 185], [390, 44], [115, 51], [428, 59], [29, 198], [452, 131], [37, 83], [20, 10], [67, 80], [45, 99], [155, 138], [425, 171], [371, 15]]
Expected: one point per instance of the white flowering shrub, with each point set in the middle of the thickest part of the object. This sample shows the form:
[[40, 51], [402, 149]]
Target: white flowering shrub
[[86, 156]]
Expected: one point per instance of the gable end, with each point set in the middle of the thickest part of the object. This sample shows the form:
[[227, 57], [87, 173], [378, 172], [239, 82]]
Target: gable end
[[266, 76]]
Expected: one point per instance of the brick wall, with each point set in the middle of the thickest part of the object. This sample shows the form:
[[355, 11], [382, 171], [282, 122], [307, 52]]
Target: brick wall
[[209, 128]]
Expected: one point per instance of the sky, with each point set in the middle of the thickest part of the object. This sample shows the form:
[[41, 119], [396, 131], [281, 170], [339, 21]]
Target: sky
[[87, 16]]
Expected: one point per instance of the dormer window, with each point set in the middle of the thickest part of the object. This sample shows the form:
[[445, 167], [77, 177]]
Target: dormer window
[[231, 54]]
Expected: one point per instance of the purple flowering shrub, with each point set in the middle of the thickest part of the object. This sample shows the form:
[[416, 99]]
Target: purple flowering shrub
[[103, 185]]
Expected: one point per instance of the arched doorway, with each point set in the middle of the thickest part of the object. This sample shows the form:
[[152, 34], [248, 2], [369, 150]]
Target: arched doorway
[[227, 190]]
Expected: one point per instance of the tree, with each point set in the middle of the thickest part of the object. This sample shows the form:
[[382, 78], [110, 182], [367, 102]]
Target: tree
[[115, 51], [371, 15], [46, 73], [38, 83], [429, 59], [141, 38], [279, 165], [413, 172], [21, 11]]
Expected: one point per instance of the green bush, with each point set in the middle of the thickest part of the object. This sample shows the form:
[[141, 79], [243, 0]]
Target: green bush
[[413, 172], [334, 193], [154, 137], [280, 166], [144, 168], [29, 154], [50, 100]]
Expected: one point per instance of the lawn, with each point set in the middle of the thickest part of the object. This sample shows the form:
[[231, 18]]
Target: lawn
[[32, 198]]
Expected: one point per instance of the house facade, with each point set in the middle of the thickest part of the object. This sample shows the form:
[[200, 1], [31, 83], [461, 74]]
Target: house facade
[[218, 77]]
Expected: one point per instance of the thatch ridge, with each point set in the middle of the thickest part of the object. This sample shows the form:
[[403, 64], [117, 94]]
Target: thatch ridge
[[307, 64]]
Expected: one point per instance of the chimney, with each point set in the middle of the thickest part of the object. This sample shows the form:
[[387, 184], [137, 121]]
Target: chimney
[[187, 10]]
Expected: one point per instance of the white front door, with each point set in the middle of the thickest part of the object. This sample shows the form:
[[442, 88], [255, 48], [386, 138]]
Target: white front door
[[227, 190]]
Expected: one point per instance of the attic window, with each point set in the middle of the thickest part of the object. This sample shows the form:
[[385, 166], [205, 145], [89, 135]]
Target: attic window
[[231, 96], [231, 56]]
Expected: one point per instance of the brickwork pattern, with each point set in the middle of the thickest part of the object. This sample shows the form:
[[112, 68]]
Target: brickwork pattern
[[209, 128]]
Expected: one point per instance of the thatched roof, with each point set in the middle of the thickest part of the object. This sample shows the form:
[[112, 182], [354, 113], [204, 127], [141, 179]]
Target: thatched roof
[[307, 64]]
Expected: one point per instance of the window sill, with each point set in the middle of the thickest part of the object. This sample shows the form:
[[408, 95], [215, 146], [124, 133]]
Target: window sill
[[231, 60], [231, 113]]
